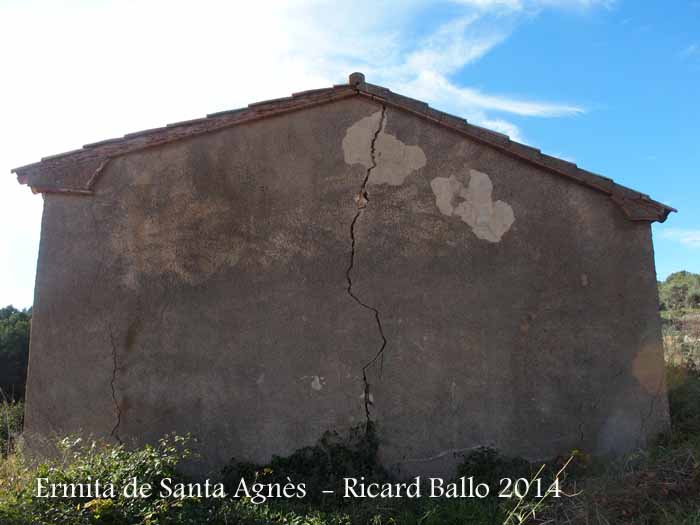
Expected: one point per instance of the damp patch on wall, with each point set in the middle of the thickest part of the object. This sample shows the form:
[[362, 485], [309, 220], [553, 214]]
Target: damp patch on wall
[[473, 204]]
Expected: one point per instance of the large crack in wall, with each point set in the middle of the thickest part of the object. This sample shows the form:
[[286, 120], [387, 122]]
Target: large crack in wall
[[112, 383], [362, 199]]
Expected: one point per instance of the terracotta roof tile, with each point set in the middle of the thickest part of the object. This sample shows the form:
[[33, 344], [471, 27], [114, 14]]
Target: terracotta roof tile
[[273, 101], [76, 171]]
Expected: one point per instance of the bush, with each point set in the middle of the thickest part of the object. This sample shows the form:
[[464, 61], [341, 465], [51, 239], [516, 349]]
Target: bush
[[322, 466], [680, 290], [488, 466], [11, 417], [692, 298], [684, 400], [81, 462], [660, 485]]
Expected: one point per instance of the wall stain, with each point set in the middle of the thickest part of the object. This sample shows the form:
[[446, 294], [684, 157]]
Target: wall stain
[[473, 204]]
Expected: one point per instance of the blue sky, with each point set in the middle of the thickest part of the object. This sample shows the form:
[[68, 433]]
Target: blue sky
[[610, 85]]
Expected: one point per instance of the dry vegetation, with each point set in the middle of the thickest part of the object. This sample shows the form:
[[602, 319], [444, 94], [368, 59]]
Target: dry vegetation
[[658, 486]]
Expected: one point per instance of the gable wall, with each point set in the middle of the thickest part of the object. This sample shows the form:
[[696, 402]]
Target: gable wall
[[204, 289]]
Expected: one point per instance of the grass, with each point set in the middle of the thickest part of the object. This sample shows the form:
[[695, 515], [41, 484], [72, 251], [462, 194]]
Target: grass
[[659, 486], [78, 459], [11, 416], [113, 463]]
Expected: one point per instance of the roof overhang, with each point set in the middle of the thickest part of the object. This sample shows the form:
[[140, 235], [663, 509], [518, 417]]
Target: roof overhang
[[76, 172]]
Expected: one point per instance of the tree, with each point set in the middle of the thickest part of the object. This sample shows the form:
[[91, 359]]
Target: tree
[[14, 350], [680, 290], [692, 298]]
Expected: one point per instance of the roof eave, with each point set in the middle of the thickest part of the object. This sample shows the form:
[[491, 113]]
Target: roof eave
[[94, 157]]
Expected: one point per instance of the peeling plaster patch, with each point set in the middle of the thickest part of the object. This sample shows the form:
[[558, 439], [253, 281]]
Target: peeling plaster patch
[[489, 220], [446, 191], [357, 143], [394, 160], [316, 383]]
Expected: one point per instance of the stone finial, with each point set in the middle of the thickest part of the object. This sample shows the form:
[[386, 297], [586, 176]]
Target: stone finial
[[356, 79]]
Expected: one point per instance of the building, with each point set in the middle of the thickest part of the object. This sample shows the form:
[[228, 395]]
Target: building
[[260, 276]]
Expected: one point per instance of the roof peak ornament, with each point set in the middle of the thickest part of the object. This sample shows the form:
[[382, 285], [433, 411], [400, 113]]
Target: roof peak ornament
[[356, 79]]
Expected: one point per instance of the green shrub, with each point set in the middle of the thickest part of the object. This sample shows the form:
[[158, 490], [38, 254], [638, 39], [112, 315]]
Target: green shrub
[[680, 290], [488, 466], [322, 466], [11, 417], [684, 400], [81, 462]]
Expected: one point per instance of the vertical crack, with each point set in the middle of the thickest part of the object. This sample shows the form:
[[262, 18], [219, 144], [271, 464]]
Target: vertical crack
[[362, 199], [645, 419], [115, 368]]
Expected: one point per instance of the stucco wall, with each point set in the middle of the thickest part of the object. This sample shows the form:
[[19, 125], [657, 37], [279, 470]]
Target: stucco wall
[[206, 287]]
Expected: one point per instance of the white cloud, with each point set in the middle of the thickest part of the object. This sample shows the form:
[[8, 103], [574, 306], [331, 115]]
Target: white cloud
[[575, 4], [502, 126], [519, 5], [514, 5], [562, 156], [77, 72], [436, 87], [691, 50], [452, 46], [689, 238]]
